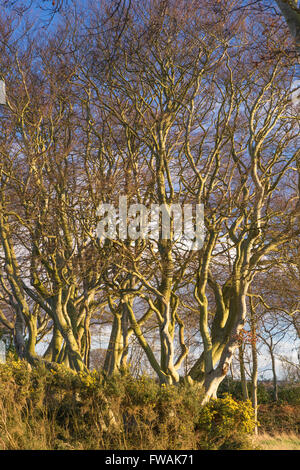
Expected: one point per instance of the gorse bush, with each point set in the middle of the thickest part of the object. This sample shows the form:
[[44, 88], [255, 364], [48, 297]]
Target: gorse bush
[[61, 409], [224, 420]]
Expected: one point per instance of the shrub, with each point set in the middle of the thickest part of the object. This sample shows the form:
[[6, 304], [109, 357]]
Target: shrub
[[225, 421], [234, 388], [277, 418], [290, 395], [61, 409], [141, 391]]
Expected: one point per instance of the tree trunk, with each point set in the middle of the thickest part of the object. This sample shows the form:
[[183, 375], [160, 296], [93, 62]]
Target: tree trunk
[[275, 385], [292, 17], [254, 364], [243, 373], [115, 347], [19, 336]]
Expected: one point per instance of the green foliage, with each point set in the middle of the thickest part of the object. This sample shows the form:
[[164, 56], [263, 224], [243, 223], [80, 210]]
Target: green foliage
[[142, 391], [290, 395], [283, 416], [231, 387], [224, 420], [60, 409], [264, 394]]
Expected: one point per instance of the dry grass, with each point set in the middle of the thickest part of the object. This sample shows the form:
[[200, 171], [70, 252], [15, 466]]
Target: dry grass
[[278, 441], [59, 410]]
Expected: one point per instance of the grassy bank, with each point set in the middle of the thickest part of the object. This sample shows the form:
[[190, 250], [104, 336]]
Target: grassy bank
[[56, 410], [278, 441]]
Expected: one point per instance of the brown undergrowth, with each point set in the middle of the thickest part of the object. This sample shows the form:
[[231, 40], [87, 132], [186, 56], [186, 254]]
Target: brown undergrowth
[[40, 409]]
